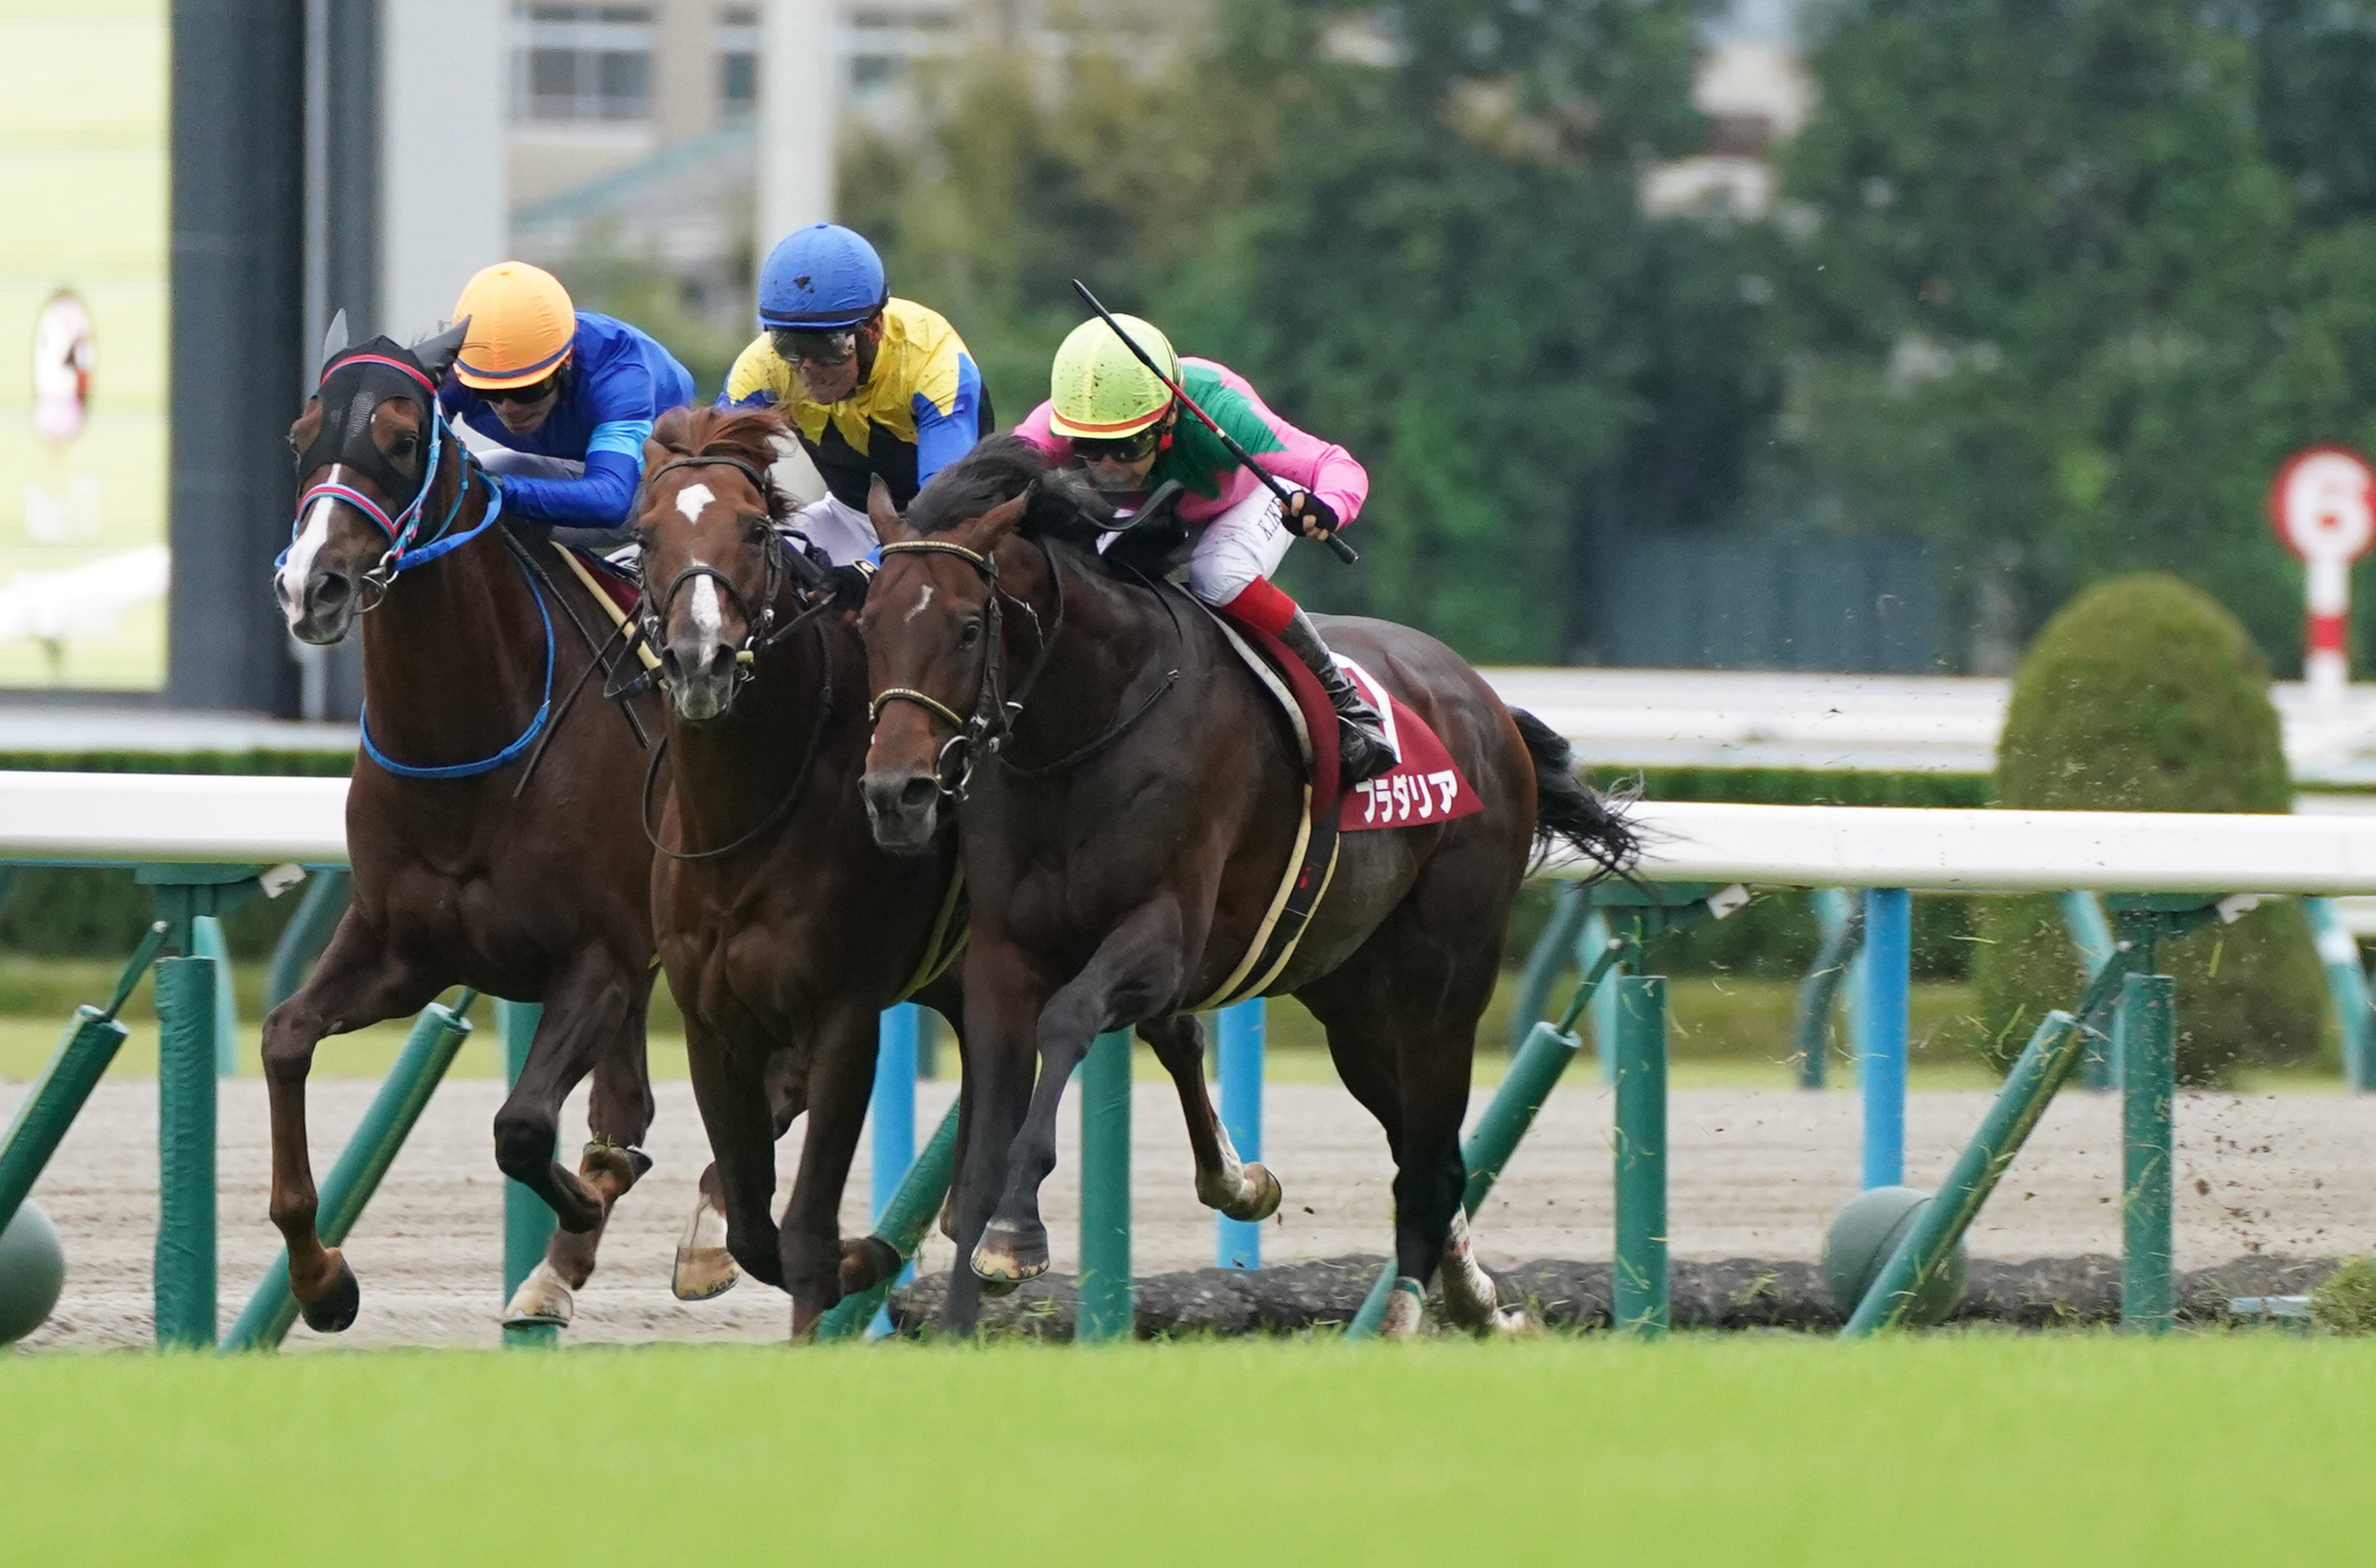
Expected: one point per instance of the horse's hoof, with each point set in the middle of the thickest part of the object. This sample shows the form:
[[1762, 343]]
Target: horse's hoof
[[542, 1298], [704, 1267], [867, 1262], [1470, 1297], [1260, 1197], [336, 1309], [1009, 1255], [1513, 1322], [1406, 1310]]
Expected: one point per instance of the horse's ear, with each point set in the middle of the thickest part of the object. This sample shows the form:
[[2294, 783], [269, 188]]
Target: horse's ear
[[988, 531], [888, 524], [438, 353], [334, 342]]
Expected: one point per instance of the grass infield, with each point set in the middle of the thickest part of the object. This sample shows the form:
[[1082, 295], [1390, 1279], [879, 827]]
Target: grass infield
[[1945, 1450]]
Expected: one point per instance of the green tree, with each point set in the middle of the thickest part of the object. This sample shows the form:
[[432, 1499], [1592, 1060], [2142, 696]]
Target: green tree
[[1417, 229]]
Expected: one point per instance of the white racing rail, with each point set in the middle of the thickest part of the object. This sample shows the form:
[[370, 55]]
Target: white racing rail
[[115, 818]]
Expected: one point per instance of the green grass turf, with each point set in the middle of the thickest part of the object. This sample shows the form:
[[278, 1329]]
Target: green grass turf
[[1977, 1449]]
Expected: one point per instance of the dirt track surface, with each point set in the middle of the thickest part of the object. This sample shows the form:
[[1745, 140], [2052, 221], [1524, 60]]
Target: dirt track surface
[[1754, 1174]]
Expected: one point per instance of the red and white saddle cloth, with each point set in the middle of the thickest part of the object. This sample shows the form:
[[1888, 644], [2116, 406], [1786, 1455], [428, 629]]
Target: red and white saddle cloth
[[1425, 788]]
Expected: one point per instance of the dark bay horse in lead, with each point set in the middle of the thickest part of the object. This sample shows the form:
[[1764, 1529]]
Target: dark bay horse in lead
[[491, 818], [1131, 798]]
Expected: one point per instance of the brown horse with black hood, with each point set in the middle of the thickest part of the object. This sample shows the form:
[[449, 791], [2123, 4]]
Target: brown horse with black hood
[[1130, 805]]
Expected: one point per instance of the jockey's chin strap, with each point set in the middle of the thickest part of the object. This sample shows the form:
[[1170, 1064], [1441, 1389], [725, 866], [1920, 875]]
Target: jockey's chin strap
[[995, 710]]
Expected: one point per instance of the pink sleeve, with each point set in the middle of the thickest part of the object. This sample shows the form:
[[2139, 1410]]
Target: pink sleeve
[[1321, 466], [1040, 434]]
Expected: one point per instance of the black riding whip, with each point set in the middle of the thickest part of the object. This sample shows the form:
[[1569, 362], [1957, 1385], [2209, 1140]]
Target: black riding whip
[[1345, 551]]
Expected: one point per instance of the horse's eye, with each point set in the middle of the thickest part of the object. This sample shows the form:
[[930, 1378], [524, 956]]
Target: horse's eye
[[405, 446], [969, 633]]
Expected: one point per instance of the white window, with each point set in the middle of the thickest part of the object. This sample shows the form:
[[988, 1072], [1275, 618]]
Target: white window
[[879, 45], [578, 64], [738, 61]]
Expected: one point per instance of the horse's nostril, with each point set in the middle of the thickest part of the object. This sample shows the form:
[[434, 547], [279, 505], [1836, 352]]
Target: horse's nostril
[[669, 669], [331, 589], [721, 661], [917, 793]]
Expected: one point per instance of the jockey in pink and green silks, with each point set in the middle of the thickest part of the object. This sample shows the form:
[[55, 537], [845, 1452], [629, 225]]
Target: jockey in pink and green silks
[[1114, 417]]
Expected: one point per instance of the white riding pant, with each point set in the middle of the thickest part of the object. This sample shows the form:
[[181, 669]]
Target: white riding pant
[[841, 530], [1245, 542]]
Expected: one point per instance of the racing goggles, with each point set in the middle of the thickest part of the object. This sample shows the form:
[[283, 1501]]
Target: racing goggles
[[1132, 448], [837, 347], [534, 392]]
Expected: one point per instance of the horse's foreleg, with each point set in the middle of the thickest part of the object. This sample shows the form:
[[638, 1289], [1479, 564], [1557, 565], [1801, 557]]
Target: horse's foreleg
[[841, 1074], [585, 1014], [730, 1088], [1240, 1191], [1003, 1000], [357, 983], [705, 1267], [1135, 971], [619, 1114]]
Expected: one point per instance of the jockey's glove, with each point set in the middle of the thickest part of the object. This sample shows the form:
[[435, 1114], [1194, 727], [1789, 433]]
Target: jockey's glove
[[850, 582], [1309, 516]]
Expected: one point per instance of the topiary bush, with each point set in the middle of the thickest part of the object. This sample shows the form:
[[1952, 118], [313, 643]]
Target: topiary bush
[[2145, 695]]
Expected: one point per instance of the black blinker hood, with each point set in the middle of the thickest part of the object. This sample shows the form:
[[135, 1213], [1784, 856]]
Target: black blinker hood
[[354, 386]]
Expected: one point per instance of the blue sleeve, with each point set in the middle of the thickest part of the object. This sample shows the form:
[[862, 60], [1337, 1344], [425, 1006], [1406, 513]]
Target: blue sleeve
[[598, 500], [760, 398], [942, 438]]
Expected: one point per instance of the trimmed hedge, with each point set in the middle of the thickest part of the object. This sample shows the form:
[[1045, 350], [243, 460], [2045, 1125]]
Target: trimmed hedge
[[2145, 693]]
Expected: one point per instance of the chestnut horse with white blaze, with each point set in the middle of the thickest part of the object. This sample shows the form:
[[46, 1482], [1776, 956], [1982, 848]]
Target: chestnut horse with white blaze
[[1130, 799], [784, 930], [491, 821]]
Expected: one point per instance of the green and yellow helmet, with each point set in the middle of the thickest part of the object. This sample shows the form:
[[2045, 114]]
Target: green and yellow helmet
[[1099, 391]]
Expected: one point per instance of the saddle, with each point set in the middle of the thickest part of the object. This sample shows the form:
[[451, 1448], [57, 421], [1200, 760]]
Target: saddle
[[1425, 788]]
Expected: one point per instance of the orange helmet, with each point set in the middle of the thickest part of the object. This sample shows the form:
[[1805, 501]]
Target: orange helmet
[[521, 322]]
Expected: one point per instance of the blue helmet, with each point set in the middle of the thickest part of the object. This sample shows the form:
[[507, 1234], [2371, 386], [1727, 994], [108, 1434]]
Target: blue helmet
[[821, 277]]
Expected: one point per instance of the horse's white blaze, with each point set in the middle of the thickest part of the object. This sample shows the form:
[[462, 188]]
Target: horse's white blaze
[[921, 600], [692, 499], [706, 619], [299, 567]]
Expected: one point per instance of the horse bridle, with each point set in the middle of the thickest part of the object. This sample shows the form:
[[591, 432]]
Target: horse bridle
[[994, 710], [761, 633]]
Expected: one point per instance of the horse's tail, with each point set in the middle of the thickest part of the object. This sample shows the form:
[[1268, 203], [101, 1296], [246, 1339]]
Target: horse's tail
[[1567, 809]]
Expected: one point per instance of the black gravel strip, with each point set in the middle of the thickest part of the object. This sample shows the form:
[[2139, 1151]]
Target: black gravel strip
[[1733, 1294]]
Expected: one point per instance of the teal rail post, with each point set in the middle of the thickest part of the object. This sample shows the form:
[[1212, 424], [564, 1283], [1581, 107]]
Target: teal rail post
[[2147, 1031], [2355, 1024], [185, 1279], [1238, 1243], [1602, 1010], [307, 934], [1640, 1276], [2091, 934], [436, 1036], [1552, 951], [528, 1222], [207, 942], [1837, 962], [89, 1044], [903, 1223], [2046, 1065], [1106, 1297], [1888, 966], [893, 1112]]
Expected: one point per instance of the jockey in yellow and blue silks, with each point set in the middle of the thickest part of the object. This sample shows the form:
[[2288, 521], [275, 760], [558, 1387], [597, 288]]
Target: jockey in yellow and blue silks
[[567, 393], [872, 386]]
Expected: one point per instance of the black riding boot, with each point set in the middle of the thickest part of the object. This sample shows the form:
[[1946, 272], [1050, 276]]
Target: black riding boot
[[1361, 736]]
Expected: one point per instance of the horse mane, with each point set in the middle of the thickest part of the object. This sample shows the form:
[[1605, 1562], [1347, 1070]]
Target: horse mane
[[747, 435], [1064, 506]]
